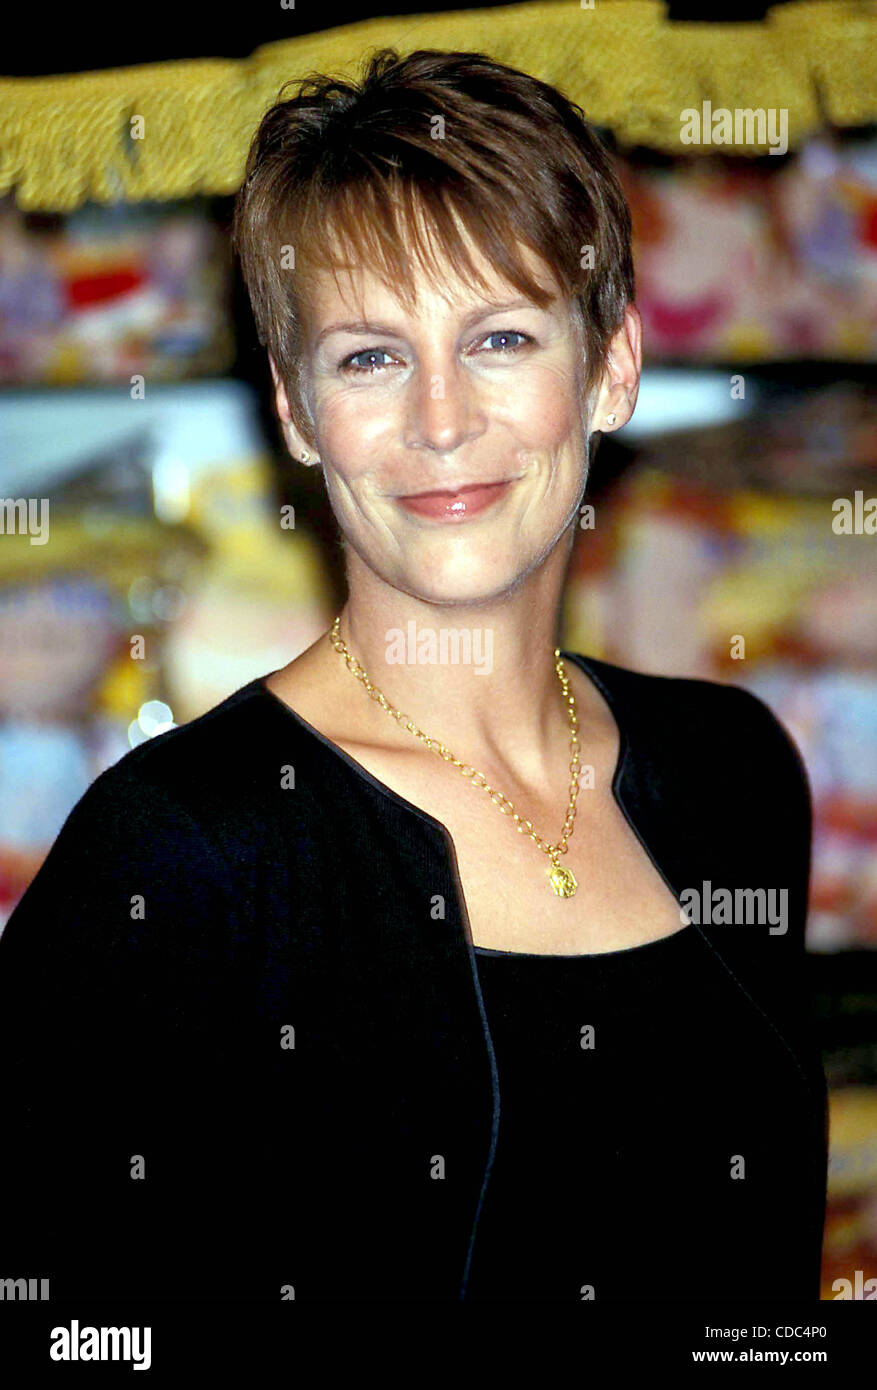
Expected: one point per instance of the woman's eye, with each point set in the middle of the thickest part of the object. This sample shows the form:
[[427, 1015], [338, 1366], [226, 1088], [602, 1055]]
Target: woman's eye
[[369, 360], [503, 340], [366, 361]]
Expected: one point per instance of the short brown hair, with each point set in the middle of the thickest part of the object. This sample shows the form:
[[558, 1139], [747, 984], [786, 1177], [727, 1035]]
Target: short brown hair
[[349, 175]]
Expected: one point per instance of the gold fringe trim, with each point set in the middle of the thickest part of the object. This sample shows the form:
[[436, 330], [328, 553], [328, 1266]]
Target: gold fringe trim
[[65, 140]]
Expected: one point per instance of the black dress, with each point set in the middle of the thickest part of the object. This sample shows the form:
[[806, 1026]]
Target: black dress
[[245, 1049], [638, 1135]]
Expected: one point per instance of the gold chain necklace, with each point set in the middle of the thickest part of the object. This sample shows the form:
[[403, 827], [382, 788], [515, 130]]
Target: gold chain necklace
[[562, 880]]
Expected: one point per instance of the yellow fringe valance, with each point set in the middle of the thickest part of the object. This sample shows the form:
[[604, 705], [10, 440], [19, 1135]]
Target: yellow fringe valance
[[66, 140]]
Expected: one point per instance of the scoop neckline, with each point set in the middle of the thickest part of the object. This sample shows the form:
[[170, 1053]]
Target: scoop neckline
[[587, 955], [400, 801], [623, 726]]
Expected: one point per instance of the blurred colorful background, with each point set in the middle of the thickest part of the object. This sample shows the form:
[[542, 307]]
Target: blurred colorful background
[[134, 397]]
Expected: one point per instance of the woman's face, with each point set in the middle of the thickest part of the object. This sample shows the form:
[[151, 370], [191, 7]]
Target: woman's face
[[469, 388]]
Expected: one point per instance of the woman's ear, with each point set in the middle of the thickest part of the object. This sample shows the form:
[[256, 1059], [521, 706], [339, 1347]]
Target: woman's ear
[[295, 441], [616, 397]]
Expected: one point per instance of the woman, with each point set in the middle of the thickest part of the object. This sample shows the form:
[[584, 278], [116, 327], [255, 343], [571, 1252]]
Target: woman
[[295, 1012]]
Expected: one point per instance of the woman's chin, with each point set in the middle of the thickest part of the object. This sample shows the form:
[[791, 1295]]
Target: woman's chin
[[459, 589]]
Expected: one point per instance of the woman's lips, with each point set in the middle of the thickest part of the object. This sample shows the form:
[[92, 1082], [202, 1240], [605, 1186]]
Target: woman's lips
[[455, 506]]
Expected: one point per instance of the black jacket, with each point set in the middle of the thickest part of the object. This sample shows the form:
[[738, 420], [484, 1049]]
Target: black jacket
[[236, 1028]]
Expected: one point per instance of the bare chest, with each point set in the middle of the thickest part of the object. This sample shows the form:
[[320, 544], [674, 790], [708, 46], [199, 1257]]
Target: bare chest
[[620, 901]]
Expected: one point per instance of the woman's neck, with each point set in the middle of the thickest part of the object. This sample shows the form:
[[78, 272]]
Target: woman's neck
[[479, 677]]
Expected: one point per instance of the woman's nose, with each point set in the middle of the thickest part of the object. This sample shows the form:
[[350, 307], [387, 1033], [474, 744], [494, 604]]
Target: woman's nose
[[443, 411]]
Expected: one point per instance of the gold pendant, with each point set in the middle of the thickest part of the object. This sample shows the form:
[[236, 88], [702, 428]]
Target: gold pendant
[[563, 881]]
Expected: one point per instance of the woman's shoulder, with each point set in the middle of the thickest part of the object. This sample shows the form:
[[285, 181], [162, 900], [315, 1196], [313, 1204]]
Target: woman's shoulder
[[690, 717], [178, 818], [228, 744], [200, 781]]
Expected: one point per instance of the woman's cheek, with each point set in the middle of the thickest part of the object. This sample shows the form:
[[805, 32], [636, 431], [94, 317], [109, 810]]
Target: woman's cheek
[[543, 407], [349, 425]]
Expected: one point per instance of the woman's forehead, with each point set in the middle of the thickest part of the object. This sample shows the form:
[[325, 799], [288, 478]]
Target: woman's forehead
[[357, 291]]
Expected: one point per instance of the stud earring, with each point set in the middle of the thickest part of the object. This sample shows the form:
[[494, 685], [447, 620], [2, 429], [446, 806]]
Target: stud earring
[[304, 456], [610, 419]]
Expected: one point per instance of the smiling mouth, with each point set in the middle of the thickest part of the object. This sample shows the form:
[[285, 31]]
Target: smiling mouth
[[454, 491], [455, 504]]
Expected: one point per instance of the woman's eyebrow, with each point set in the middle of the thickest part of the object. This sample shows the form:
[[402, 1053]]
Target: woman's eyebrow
[[362, 326], [481, 312]]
